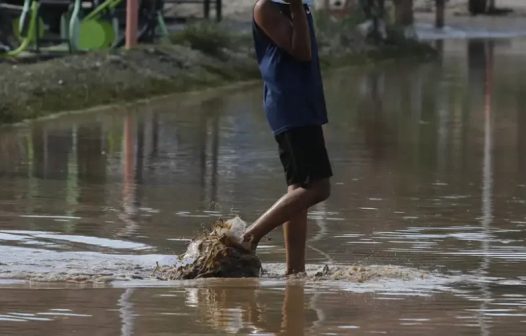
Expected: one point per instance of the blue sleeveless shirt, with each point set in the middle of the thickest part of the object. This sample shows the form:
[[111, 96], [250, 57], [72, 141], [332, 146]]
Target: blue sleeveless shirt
[[293, 90]]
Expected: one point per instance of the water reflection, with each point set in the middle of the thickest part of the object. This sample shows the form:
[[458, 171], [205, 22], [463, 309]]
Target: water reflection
[[219, 309], [485, 52], [209, 148], [133, 147], [294, 321], [126, 311], [246, 307], [240, 310]]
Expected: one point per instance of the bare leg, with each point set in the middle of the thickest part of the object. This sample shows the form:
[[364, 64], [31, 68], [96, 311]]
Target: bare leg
[[296, 201], [295, 233]]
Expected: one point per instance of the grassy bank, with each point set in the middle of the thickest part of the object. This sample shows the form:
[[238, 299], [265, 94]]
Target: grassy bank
[[204, 55]]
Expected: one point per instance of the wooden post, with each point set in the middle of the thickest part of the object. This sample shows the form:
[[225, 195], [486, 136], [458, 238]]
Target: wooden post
[[477, 6], [404, 12], [491, 6], [219, 10], [132, 16], [440, 13], [206, 9]]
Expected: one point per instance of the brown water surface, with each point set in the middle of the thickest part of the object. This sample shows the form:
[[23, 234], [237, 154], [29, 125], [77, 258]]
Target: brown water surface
[[429, 198]]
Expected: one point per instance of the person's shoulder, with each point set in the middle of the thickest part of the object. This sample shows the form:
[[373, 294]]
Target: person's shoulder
[[260, 4], [264, 7]]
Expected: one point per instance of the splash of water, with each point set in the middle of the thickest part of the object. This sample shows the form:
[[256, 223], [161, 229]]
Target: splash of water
[[215, 253]]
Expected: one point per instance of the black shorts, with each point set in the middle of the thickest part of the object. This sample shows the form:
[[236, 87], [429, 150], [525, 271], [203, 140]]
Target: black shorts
[[303, 155]]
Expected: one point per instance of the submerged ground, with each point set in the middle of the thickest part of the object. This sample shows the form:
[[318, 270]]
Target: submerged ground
[[429, 197]]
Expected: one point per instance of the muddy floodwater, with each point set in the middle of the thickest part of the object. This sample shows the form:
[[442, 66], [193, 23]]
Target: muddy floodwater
[[424, 234]]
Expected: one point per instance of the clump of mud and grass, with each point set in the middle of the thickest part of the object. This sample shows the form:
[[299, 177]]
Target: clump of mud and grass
[[200, 56], [215, 253]]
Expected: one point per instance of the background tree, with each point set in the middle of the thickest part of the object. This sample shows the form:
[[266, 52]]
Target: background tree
[[374, 11], [492, 5], [404, 12], [440, 13]]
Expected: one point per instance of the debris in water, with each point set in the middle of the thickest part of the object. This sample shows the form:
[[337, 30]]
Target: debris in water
[[347, 273], [216, 253]]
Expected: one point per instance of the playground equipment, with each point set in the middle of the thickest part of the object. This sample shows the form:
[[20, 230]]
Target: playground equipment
[[73, 25], [207, 6], [104, 26]]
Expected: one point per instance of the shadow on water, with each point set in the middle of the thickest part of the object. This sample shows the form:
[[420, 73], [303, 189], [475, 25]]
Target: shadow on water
[[429, 163]]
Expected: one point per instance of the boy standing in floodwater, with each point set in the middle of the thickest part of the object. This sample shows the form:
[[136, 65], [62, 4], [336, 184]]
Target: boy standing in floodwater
[[294, 103]]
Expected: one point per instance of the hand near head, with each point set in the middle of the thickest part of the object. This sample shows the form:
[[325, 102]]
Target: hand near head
[[289, 33]]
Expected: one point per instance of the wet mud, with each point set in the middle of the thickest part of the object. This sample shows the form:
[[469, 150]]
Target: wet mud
[[216, 253]]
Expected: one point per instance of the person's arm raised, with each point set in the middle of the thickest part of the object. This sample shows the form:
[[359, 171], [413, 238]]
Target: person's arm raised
[[292, 35]]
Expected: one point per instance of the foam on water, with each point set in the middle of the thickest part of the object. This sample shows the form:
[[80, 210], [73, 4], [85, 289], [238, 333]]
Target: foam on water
[[118, 270], [44, 238], [387, 279], [82, 267], [27, 257], [115, 268]]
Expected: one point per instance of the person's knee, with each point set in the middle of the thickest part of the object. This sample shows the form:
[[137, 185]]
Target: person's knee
[[322, 191]]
